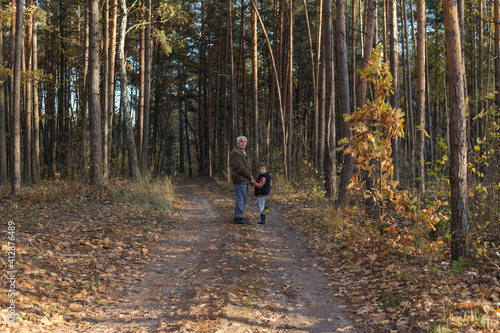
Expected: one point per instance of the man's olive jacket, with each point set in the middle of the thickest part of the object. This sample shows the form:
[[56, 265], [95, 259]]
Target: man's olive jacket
[[241, 172]]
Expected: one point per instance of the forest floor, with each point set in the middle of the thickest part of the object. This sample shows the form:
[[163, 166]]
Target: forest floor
[[91, 264]]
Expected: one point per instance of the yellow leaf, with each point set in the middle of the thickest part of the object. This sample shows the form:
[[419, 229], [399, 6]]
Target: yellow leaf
[[439, 242]]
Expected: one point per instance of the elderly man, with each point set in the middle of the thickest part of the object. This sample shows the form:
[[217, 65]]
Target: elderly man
[[241, 175]]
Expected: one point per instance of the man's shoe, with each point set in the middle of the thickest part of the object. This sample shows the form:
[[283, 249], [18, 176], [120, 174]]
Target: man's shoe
[[262, 219], [241, 221], [266, 210]]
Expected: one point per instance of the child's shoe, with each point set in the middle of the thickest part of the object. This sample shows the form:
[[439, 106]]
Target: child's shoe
[[262, 219], [266, 210]]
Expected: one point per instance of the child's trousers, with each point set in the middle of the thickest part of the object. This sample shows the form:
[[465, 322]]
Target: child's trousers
[[261, 203]]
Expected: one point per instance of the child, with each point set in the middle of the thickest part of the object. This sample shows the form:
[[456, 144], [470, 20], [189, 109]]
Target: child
[[262, 190]]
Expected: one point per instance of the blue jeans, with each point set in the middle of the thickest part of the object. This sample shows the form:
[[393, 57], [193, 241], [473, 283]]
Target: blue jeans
[[241, 196]]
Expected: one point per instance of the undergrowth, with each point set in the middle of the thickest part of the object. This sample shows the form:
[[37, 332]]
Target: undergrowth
[[156, 194]]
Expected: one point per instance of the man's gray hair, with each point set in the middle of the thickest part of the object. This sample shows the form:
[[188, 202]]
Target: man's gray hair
[[241, 137]]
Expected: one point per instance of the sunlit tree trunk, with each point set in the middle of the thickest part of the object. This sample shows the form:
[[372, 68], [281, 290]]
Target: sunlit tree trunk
[[96, 172], [35, 160], [83, 92], [460, 246], [28, 90], [420, 102], [15, 128], [104, 95], [50, 101], [343, 93], [125, 105], [331, 158], [111, 69], [3, 116]]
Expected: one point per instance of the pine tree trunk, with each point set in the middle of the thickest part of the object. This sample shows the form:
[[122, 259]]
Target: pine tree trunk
[[104, 95], [343, 93], [15, 129], [394, 68], [83, 92], [111, 69], [255, 81], [125, 105], [353, 56], [234, 114], [318, 132], [408, 88], [50, 106], [480, 68], [139, 121], [420, 102], [289, 134], [314, 84], [147, 90], [3, 116], [460, 246], [35, 160], [28, 90], [331, 158], [361, 89], [497, 52], [96, 172], [385, 16], [182, 167]]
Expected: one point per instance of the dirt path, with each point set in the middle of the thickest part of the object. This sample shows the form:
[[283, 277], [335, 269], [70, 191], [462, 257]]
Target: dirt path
[[215, 276]]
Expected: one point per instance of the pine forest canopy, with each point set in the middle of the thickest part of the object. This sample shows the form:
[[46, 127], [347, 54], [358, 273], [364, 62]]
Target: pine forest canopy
[[93, 90]]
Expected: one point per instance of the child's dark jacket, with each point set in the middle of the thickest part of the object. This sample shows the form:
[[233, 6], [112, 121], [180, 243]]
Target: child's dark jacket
[[263, 190]]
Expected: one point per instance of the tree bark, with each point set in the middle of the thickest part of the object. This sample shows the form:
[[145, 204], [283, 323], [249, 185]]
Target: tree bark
[[96, 171], [16, 103], [343, 93], [234, 113], [394, 68], [362, 85], [367, 47], [125, 105], [460, 246], [255, 81], [147, 89], [139, 122], [104, 95], [111, 69], [331, 158], [35, 160], [353, 56], [3, 116], [83, 92], [420, 102], [289, 134], [497, 52], [480, 68], [28, 86]]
